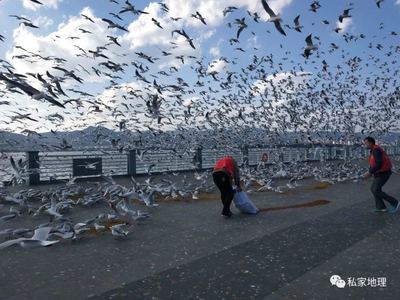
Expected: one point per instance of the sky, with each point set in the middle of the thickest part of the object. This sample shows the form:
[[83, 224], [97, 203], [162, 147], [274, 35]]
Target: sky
[[71, 31]]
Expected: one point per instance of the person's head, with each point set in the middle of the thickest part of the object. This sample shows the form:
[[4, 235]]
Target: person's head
[[369, 142]]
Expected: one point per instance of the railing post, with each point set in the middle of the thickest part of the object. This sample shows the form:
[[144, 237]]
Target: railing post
[[332, 152], [245, 155], [198, 158], [33, 167], [132, 163], [346, 152]]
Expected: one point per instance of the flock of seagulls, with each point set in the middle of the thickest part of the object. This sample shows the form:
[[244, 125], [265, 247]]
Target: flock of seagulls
[[322, 85], [299, 95]]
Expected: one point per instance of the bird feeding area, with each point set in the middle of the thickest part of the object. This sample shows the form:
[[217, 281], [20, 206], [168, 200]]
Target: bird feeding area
[[127, 211]]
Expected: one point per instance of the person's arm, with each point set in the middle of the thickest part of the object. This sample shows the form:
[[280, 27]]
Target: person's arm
[[378, 161]]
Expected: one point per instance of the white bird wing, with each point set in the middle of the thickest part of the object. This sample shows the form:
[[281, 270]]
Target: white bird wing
[[36, 243], [41, 234], [11, 242]]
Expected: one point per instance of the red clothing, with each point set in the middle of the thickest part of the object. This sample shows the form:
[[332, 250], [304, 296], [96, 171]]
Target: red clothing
[[226, 164], [386, 163]]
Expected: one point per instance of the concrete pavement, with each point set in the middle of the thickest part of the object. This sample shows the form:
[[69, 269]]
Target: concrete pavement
[[188, 251]]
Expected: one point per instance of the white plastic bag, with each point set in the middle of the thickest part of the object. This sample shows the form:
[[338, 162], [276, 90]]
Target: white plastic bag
[[244, 204]]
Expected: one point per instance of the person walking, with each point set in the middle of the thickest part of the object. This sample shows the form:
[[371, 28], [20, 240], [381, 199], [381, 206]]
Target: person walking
[[224, 173], [380, 166]]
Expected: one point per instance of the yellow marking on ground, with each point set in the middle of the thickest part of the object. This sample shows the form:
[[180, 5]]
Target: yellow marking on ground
[[306, 204]]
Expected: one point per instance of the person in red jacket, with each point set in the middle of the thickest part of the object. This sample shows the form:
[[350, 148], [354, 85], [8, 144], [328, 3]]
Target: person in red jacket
[[225, 171], [381, 167]]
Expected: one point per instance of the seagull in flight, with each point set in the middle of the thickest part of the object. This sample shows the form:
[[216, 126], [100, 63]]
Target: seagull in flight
[[89, 166], [310, 46], [344, 15], [29, 90], [184, 34], [297, 25], [198, 16], [273, 17]]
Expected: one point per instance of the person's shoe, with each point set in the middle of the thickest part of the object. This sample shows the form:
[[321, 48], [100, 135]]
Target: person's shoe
[[227, 214], [393, 209], [379, 210]]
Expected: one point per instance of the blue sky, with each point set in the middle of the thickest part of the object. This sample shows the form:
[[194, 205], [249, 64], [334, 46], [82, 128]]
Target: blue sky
[[212, 44]]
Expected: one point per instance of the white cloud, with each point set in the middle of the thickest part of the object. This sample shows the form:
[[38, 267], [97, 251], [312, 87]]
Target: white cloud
[[397, 2], [214, 51], [217, 66], [345, 25], [28, 4], [43, 22], [60, 44], [253, 42]]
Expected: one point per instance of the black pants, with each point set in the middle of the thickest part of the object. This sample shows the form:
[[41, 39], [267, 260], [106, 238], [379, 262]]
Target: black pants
[[376, 189], [223, 182]]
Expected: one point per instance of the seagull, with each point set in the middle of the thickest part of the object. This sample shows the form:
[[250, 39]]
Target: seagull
[[85, 31], [228, 10], [157, 23], [314, 6], [297, 25], [140, 154], [29, 90], [149, 168], [87, 18], [7, 217], [119, 230], [378, 3], [89, 166], [131, 8], [273, 17], [114, 40], [344, 15], [148, 198], [199, 17], [111, 24], [242, 25], [28, 24], [37, 2], [69, 74], [39, 238], [19, 18], [310, 46], [184, 34]]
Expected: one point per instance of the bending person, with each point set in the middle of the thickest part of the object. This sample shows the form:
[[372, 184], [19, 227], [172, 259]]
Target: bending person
[[224, 173]]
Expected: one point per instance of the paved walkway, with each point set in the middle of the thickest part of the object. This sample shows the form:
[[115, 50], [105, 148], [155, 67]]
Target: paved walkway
[[187, 251]]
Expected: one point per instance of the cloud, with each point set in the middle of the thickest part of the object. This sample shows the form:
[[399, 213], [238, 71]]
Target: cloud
[[63, 43], [217, 66], [345, 25], [214, 51], [43, 22], [212, 10], [28, 4]]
